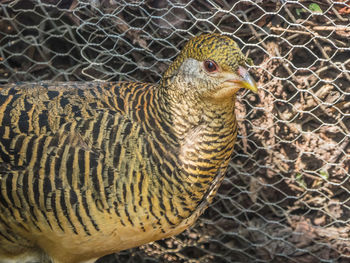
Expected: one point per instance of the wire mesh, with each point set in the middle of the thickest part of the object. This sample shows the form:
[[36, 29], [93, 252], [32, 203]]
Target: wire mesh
[[286, 196]]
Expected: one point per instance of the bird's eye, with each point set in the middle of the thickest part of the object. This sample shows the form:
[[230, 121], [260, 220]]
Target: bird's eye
[[211, 66]]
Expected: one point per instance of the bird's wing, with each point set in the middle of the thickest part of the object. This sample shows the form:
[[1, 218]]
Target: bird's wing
[[26, 150], [42, 119], [75, 162], [70, 153]]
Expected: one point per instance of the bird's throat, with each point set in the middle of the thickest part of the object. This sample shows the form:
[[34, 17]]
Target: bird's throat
[[206, 133]]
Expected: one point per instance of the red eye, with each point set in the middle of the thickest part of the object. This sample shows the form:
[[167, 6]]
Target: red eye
[[210, 66]]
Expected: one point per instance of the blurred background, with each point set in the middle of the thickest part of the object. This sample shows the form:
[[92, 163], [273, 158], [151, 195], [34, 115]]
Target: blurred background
[[286, 197]]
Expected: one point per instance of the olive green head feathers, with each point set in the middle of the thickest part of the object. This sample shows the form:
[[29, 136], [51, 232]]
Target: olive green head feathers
[[211, 65]]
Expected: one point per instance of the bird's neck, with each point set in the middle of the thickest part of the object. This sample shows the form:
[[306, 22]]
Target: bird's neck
[[186, 111], [189, 115], [206, 132]]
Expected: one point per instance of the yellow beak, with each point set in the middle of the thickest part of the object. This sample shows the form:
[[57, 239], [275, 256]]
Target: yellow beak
[[247, 80]]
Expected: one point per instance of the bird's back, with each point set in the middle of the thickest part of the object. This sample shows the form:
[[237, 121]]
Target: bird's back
[[76, 161]]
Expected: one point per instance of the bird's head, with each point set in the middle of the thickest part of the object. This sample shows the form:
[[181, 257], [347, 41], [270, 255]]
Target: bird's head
[[210, 66]]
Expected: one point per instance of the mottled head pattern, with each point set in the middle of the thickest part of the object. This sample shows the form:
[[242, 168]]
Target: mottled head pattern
[[220, 48]]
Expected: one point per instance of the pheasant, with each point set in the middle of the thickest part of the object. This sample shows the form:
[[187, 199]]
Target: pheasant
[[88, 169]]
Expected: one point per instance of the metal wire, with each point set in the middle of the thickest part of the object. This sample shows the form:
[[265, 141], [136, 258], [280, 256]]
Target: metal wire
[[286, 197]]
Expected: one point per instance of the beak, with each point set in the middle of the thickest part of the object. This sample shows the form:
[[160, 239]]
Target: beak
[[240, 80], [247, 81]]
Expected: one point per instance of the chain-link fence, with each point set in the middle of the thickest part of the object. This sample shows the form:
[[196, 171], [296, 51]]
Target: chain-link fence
[[286, 197]]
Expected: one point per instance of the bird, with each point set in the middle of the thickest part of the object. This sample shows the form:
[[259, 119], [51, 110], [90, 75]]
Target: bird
[[92, 168]]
